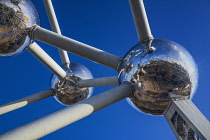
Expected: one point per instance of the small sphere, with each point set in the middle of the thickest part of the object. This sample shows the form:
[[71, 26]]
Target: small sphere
[[17, 16], [67, 91], [168, 72]]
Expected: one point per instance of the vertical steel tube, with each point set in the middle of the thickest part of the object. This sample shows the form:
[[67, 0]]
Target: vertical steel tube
[[68, 115], [75, 47], [99, 82], [25, 101], [55, 27], [40, 54], [140, 19]]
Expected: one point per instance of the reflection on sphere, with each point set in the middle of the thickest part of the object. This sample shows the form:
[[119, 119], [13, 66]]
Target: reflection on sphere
[[66, 91], [168, 72], [16, 17]]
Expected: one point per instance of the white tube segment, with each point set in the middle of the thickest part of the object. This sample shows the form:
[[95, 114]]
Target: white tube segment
[[75, 47], [40, 54], [140, 20], [55, 27], [25, 101], [68, 115]]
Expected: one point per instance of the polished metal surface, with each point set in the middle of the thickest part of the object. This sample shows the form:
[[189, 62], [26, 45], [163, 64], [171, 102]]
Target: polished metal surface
[[16, 17], [67, 91], [168, 72]]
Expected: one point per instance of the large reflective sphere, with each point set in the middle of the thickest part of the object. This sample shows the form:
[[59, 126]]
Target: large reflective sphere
[[66, 91], [16, 16], [168, 72]]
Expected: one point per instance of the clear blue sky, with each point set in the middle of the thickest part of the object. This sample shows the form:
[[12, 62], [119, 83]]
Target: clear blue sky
[[107, 25]]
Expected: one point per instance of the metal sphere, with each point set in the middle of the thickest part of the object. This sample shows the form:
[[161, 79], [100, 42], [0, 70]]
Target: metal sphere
[[168, 72], [17, 16], [67, 91]]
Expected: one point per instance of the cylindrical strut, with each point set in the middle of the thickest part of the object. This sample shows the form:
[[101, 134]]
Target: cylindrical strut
[[40, 54], [68, 115], [25, 101], [55, 27], [75, 47], [99, 82], [140, 20]]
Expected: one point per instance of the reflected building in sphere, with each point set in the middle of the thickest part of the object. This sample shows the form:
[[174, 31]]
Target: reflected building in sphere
[[168, 72], [17, 16], [157, 76], [67, 91]]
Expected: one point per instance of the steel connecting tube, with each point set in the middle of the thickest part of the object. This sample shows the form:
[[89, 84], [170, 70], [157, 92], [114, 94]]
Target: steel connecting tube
[[75, 47], [68, 115]]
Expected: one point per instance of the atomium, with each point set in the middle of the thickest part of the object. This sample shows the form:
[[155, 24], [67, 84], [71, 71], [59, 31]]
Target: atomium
[[16, 18], [168, 72], [155, 74], [66, 90]]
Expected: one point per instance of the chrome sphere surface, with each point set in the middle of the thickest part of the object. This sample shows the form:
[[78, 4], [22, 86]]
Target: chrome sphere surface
[[16, 16], [168, 72], [67, 91]]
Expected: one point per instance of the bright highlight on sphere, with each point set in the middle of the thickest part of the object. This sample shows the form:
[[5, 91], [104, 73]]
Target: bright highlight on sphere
[[169, 71], [16, 17], [66, 91]]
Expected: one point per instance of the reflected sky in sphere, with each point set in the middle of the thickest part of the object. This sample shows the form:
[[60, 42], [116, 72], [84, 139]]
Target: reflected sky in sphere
[[66, 91], [168, 72], [16, 18]]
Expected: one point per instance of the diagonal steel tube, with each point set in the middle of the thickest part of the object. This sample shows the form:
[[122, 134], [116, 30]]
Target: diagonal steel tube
[[39, 53], [105, 81], [140, 20], [55, 27], [25, 101], [99, 82], [68, 115], [75, 47]]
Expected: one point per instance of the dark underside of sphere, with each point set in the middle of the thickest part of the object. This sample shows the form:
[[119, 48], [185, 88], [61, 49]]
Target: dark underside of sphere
[[159, 79], [68, 93], [167, 73]]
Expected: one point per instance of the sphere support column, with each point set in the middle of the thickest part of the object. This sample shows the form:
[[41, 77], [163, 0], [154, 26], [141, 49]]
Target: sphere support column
[[186, 121]]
